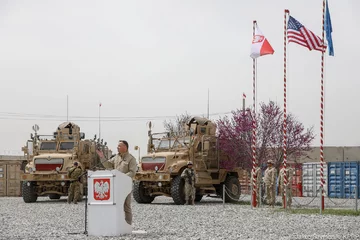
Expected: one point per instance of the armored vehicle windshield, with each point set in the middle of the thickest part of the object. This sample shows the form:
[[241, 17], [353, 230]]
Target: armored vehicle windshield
[[51, 145]]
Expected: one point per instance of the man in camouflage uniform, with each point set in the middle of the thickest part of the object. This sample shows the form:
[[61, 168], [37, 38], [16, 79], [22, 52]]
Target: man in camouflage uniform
[[74, 190], [125, 163], [289, 174], [270, 183], [190, 179], [258, 177]]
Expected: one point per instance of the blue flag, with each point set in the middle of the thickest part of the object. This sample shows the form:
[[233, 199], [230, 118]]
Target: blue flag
[[328, 30]]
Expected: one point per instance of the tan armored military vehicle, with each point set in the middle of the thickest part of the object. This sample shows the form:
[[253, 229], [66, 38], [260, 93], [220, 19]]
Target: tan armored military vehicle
[[160, 170], [49, 160]]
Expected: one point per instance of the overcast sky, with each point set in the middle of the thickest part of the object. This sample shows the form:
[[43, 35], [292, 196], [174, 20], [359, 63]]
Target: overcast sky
[[146, 59]]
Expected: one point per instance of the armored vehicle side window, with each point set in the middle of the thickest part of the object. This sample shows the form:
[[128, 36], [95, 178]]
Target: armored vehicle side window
[[165, 144], [153, 160], [66, 145], [48, 146]]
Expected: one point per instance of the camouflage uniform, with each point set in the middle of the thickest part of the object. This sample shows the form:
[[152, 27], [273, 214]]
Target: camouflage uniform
[[190, 178], [74, 190], [125, 163], [289, 175], [270, 183], [258, 175]]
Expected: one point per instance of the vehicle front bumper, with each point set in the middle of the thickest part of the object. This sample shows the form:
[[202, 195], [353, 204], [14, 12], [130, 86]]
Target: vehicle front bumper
[[44, 177], [152, 177]]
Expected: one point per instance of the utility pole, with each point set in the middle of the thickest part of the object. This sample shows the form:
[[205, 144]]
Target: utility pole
[[208, 105], [67, 108]]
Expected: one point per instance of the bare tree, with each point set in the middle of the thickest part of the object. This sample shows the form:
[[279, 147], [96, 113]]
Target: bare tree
[[177, 126]]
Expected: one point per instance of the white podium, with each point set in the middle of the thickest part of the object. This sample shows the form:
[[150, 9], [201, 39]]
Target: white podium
[[107, 191]]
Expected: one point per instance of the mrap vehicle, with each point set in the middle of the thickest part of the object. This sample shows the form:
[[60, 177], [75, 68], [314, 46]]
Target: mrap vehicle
[[159, 172]]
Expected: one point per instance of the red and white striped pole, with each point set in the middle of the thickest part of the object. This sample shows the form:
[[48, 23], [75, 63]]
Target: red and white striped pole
[[244, 98], [285, 127], [254, 200], [322, 113]]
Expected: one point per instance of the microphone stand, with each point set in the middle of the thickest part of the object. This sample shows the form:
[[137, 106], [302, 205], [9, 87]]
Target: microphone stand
[[86, 203]]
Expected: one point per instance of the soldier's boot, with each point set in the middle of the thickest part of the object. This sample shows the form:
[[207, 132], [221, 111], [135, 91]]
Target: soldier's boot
[[186, 202], [192, 202]]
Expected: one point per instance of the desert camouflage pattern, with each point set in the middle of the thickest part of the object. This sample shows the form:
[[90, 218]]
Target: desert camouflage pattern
[[189, 187], [270, 184], [74, 189]]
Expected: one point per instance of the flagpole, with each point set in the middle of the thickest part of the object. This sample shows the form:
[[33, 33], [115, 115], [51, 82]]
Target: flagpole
[[322, 111], [254, 198], [99, 122], [286, 13], [208, 105], [67, 108], [243, 103]]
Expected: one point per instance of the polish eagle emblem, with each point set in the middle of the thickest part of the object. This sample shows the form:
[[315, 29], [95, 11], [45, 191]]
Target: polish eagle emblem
[[101, 189]]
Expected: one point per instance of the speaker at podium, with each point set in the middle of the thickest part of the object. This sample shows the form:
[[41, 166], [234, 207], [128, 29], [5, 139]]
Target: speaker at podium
[[107, 191]]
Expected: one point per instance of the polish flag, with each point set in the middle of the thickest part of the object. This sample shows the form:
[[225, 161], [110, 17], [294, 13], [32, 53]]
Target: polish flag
[[260, 45]]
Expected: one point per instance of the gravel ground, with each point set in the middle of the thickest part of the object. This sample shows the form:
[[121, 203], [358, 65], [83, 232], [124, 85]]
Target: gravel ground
[[55, 219]]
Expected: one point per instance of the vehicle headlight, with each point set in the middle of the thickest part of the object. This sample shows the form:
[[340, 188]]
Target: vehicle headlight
[[30, 170], [156, 168], [160, 177], [57, 169], [62, 183], [159, 184]]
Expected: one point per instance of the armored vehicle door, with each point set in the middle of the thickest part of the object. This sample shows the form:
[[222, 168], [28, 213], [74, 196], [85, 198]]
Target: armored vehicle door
[[210, 154]]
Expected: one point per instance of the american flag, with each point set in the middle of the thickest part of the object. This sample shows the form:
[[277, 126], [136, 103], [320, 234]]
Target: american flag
[[299, 34]]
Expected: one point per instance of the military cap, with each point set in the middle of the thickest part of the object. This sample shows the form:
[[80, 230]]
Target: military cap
[[75, 163], [189, 163], [270, 161]]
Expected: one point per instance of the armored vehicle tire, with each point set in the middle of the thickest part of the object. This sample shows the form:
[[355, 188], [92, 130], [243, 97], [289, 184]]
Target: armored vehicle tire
[[28, 192], [139, 193], [177, 190], [233, 189], [54, 196]]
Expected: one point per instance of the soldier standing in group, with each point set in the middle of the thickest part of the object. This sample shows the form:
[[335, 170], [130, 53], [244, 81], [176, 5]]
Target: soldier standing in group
[[125, 163], [270, 183], [258, 177], [74, 190], [289, 175], [190, 178]]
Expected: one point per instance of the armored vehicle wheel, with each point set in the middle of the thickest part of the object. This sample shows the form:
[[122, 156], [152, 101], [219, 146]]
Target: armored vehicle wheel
[[28, 192], [198, 198], [54, 196], [177, 190], [233, 189], [139, 193]]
